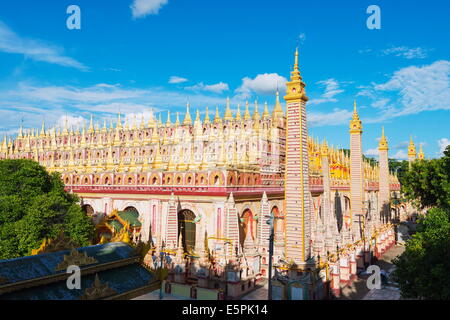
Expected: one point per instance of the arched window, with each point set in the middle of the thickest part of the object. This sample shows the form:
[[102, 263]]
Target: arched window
[[187, 228]]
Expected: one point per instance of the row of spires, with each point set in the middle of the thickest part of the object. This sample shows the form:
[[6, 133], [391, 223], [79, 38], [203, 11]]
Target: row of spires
[[228, 116]]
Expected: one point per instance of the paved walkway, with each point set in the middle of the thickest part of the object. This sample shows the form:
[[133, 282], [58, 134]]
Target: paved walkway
[[358, 289], [260, 293]]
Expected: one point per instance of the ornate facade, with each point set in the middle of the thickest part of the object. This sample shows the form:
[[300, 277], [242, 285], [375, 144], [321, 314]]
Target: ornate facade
[[204, 188]]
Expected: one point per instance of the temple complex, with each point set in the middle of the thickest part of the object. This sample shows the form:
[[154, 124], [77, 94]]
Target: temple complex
[[202, 190]]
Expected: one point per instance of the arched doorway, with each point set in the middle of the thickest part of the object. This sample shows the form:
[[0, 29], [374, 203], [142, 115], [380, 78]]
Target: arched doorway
[[247, 226], [187, 229], [87, 208], [132, 209]]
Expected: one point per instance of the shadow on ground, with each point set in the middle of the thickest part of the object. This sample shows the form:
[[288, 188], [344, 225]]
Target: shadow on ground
[[358, 289]]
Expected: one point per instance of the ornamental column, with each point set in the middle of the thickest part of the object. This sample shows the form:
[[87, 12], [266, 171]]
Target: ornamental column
[[298, 229], [356, 175], [384, 192], [171, 236]]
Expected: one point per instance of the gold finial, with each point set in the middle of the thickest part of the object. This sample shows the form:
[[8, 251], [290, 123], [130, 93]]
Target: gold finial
[[421, 155], [228, 115], [65, 131], [411, 148], [217, 118], [168, 122], [266, 111], [151, 120], [187, 118], [355, 123], [246, 113], [119, 122], [134, 127], [177, 120], [104, 129], [91, 125], [278, 110], [142, 125], [324, 148], [206, 120], [383, 145], [197, 116], [42, 129], [256, 113], [160, 123], [238, 113]]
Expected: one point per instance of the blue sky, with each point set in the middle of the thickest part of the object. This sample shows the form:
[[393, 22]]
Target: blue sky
[[130, 56]]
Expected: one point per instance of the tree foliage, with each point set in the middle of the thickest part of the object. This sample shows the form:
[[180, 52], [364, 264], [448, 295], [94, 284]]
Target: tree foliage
[[34, 206], [398, 167], [427, 183], [422, 269]]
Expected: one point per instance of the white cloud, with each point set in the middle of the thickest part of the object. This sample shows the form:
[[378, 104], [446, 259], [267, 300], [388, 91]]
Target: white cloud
[[406, 52], [331, 90], [37, 50], [400, 155], [420, 88], [142, 8], [216, 88], [36, 102], [443, 143], [301, 38], [372, 152], [336, 117], [266, 84], [72, 121], [176, 79]]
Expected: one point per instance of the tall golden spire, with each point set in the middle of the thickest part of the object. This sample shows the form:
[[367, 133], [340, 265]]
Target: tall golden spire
[[91, 126], [295, 87], [168, 122], [134, 127], [266, 114], [355, 123], [151, 120], [177, 120], [383, 145], [228, 115], [197, 116], [256, 113], [238, 112], [278, 110], [66, 128], [246, 113], [206, 119], [421, 155], [119, 122], [142, 125], [411, 148], [187, 118], [217, 118], [42, 129]]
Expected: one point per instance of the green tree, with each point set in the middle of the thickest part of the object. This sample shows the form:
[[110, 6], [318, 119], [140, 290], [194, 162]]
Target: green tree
[[422, 269], [398, 167], [427, 183], [34, 206]]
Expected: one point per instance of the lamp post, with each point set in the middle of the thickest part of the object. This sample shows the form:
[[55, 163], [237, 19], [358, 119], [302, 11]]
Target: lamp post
[[270, 223]]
